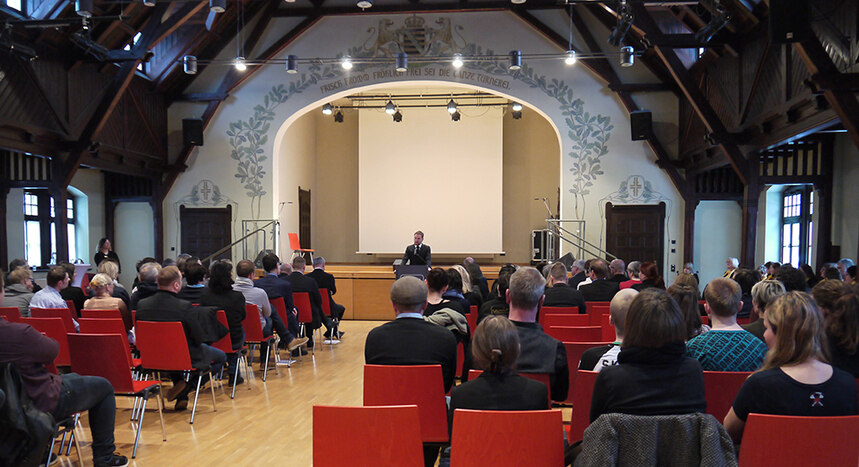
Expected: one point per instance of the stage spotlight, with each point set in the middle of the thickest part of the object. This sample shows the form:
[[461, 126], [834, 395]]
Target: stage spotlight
[[571, 58], [624, 22], [455, 116], [240, 64], [190, 64], [515, 60], [451, 106], [457, 61], [517, 114], [338, 117], [627, 57], [217, 6], [346, 63], [389, 108], [517, 107], [291, 64], [715, 25], [402, 62], [327, 110], [398, 117]]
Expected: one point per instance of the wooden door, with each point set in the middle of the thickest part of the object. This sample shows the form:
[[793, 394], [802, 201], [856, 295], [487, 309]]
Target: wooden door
[[304, 218], [205, 231], [636, 232]]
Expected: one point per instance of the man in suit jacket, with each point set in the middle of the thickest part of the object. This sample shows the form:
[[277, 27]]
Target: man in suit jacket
[[165, 306], [418, 253], [616, 271], [326, 281], [278, 287], [560, 294], [600, 290], [302, 283], [578, 272]]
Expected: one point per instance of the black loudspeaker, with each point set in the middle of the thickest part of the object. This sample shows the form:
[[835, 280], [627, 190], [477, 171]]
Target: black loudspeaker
[[789, 21], [640, 123], [192, 131], [568, 260]]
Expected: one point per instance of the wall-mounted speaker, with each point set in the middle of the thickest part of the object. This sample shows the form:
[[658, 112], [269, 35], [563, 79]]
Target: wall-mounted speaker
[[789, 21], [641, 124], [192, 131]]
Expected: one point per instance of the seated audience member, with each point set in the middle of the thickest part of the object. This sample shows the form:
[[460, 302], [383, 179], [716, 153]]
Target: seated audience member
[[496, 305], [277, 286], [763, 293], [747, 279], [102, 299], [822, 272], [147, 285], [689, 268], [220, 294], [559, 293], [826, 293], [650, 277], [731, 265], [285, 271], [851, 275], [19, 292], [509, 269], [75, 294], [727, 347], [326, 281], [454, 289], [684, 278], [468, 289], [437, 284], [601, 290], [632, 270], [139, 265], [652, 377], [61, 395], [302, 283], [795, 378], [478, 280], [772, 269], [842, 331], [181, 262], [616, 271], [832, 274], [687, 299], [792, 278], [578, 273], [195, 275], [540, 353], [810, 278], [17, 263], [842, 266], [111, 268], [589, 276], [49, 297], [597, 358], [165, 306]]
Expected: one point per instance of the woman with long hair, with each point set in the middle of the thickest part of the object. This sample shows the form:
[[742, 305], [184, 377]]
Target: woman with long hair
[[469, 290], [650, 277], [796, 369], [103, 299], [104, 252], [687, 298]]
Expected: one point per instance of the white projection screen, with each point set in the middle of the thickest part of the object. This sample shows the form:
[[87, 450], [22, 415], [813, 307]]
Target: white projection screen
[[432, 174]]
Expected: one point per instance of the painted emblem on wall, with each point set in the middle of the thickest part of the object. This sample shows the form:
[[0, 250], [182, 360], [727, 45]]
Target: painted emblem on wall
[[415, 38]]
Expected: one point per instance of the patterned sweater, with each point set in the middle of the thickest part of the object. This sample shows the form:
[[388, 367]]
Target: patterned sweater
[[727, 351]]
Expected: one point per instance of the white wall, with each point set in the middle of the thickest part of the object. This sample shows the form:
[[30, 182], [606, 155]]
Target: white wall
[[845, 217], [134, 223], [91, 183], [718, 235]]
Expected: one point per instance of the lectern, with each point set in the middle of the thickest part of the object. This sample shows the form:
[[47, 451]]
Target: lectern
[[418, 270]]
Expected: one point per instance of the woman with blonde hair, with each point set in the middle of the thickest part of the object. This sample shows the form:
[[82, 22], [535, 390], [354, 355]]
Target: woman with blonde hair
[[102, 286], [796, 369], [473, 296]]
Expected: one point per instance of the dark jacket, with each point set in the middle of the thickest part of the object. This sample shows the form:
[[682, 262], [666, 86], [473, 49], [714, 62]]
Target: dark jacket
[[325, 281], [757, 328], [541, 353], [574, 281], [600, 290], [276, 286], [494, 306], [233, 304], [302, 283], [561, 294], [415, 256], [192, 294], [30, 351], [492, 391], [76, 295], [144, 290], [618, 278], [165, 306]]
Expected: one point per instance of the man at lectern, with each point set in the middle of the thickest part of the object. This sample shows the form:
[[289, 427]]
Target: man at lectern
[[418, 253]]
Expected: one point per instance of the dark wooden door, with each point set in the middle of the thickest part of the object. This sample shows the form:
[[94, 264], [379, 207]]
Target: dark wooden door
[[206, 230], [636, 232], [304, 218]]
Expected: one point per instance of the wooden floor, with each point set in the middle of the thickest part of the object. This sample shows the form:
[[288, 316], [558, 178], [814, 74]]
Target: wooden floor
[[270, 424]]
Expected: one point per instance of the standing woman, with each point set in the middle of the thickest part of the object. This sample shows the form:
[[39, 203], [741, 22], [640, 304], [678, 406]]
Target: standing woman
[[104, 252]]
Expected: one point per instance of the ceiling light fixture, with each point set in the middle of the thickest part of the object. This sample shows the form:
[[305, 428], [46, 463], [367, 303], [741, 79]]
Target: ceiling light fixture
[[515, 60], [291, 64], [364, 4], [457, 61], [389, 108], [217, 6], [189, 63], [451, 106], [398, 117], [149, 3], [571, 58], [338, 117], [402, 62], [346, 63], [517, 114], [327, 110], [517, 107], [84, 8], [240, 64], [627, 56]]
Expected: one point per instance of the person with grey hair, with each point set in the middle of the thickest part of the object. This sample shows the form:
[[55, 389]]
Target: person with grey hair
[[763, 293], [616, 271], [540, 352], [147, 286], [689, 268], [731, 265], [578, 272], [326, 281], [632, 270], [843, 265]]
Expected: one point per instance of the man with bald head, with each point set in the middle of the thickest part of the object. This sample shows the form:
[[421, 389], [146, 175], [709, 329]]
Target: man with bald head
[[597, 358]]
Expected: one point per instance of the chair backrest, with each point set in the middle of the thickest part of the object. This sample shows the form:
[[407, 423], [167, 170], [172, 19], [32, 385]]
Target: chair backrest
[[548, 320], [421, 385], [72, 307], [107, 326], [56, 330], [574, 356], [744, 320], [786, 440], [163, 345], [85, 282], [608, 333], [471, 318], [294, 244], [252, 324], [596, 310], [113, 314], [497, 437], [560, 310], [279, 306], [302, 302], [102, 355], [326, 301], [583, 391], [225, 343], [10, 313], [62, 313], [390, 436], [575, 333], [705, 320], [720, 389], [541, 377]]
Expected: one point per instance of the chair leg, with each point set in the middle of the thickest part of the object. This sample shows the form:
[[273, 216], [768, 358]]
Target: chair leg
[[196, 397], [236, 376], [212, 387], [161, 416], [139, 426], [72, 438], [265, 364], [50, 451]]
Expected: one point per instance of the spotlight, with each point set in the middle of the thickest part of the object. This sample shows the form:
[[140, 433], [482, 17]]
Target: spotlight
[[517, 2], [517, 107], [398, 117], [457, 60], [627, 58], [517, 114], [217, 6], [402, 62], [346, 63], [189, 63], [389, 108], [364, 4], [451, 106], [715, 25], [571, 57], [338, 117], [149, 3], [327, 110], [455, 116], [515, 60], [83, 8], [291, 64], [624, 22], [240, 64]]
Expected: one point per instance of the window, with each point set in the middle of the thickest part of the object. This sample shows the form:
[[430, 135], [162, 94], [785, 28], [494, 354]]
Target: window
[[797, 226], [14, 4], [40, 228]]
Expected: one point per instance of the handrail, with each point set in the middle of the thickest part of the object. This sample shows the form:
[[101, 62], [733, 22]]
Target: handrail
[[210, 257], [560, 229]]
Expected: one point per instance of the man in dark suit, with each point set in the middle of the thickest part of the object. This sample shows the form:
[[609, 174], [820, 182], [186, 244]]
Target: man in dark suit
[[326, 281], [302, 283], [617, 268], [578, 272], [600, 290], [164, 306], [560, 294], [418, 253], [277, 287]]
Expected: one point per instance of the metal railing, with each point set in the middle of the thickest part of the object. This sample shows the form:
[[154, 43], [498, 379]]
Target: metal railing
[[575, 239], [248, 235]]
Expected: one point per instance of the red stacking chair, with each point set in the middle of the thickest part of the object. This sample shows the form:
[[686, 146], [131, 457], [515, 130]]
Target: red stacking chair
[[102, 355], [255, 338], [785, 440], [62, 313], [279, 305], [720, 390], [73, 308], [112, 314], [541, 377], [507, 438], [575, 333], [390, 436], [555, 320], [226, 345], [743, 320], [295, 246], [583, 391], [305, 313], [109, 326], [608, 333], [163, 347], [574, 356], [85, 282], [559, 310], [326, 310], [471, 317], [705, 320], [53, 328], [596, 310], [422, 385], [10, 313]]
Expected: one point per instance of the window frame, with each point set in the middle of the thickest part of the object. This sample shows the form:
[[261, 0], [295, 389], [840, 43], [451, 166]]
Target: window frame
[[46, 216], [800, 214]]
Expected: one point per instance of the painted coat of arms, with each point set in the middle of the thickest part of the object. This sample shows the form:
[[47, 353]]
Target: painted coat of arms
[[415, 38]]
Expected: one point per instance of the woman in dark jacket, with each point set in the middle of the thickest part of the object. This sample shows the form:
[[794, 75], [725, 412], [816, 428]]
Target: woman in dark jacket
[[650, 277], [220, 294]]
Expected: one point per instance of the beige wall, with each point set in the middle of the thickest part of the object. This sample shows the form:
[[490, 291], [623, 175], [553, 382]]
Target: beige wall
[[845, 222]]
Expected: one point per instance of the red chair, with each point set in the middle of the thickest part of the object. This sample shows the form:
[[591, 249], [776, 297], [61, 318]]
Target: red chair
[[560, 310], [596, 310], [574, 356], [101, 355], [62, 313], [720, 389], [101, 314], [73, 308], [295, 246], [555, 320], [583, 391], [163, 347], [53, 328], [575, 333], [326, 310], [743, 320], [11, 314], [225, 344], [305, 313], [608, 333], [705, 320], [507, 438], [541, 377], [254, 337], [422, 385], [471, 317], [390, 436], [110, 326], [785, 440]]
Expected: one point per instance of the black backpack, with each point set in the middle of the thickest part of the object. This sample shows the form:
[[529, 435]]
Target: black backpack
[[25, 431]]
